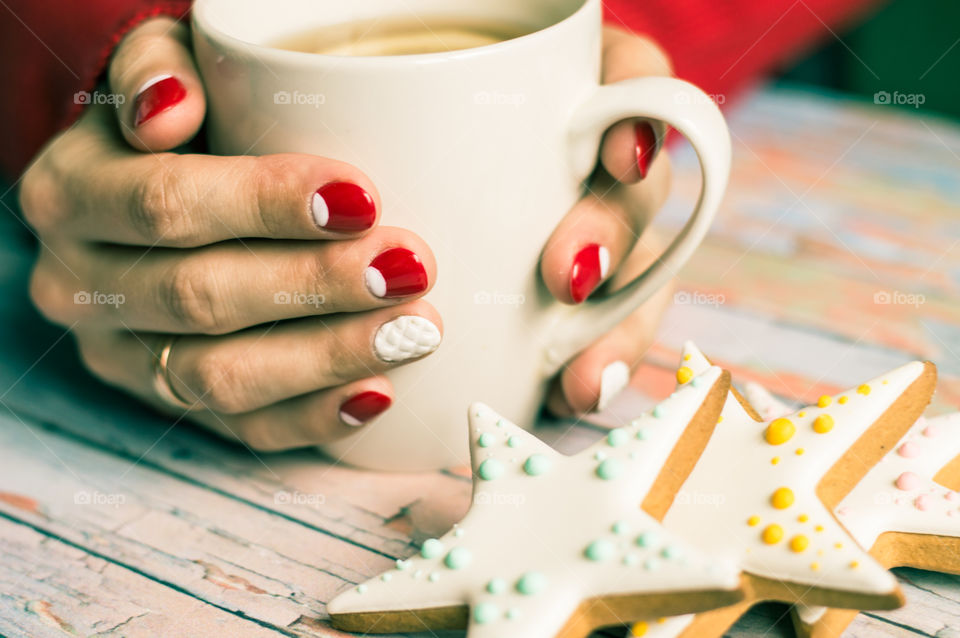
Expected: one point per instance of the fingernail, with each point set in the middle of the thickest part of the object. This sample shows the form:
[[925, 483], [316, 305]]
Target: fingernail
[[613, 379], [362, 407], [647, 146], [590, 266], [343, 207], [397, 272], [406, 337], [157, 95]]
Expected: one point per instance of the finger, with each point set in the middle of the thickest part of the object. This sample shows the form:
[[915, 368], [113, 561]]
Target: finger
[[592, 379], [232, 285], [153, 69], [630, 147], [252, 369], [313, 419], [168, 199]]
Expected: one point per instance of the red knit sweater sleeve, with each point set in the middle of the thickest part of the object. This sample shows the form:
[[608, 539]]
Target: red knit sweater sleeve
[[723, 46], [50, 50]]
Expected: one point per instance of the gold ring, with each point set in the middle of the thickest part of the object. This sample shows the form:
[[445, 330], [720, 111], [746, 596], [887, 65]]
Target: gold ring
[[161, 377]]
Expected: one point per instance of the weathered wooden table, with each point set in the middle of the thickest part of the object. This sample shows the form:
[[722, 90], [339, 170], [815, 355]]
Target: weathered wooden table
[[836, 257]]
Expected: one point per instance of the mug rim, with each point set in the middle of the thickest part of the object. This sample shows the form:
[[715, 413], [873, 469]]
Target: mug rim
[[202, 25]]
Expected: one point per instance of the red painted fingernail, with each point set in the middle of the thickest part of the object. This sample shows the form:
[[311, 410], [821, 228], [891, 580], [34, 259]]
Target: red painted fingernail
[[344, 207], [397, 272], [590, 266], [156, 96], [647, 146], [362, 407]]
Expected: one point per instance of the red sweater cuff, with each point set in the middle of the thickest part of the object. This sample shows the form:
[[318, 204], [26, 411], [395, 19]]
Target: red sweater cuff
[[49, 51]]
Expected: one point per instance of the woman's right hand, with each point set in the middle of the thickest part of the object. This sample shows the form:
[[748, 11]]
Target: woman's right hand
[[270, 270]]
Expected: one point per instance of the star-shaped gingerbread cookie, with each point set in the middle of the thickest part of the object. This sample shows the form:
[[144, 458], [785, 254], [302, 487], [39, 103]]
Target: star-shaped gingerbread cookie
[[557, 545], [763, 493]]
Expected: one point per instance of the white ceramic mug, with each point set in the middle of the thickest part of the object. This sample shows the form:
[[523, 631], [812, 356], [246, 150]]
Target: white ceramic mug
[[481, 152]]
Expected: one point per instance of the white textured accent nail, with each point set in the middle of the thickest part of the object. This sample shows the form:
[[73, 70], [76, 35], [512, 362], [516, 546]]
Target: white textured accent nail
[[376, 284], [604, 256], [321, 214], [613, 380], [349, 420], [406, 337], [157, 78]]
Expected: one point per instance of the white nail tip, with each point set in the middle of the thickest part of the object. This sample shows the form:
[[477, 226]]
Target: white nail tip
[[406, 337], [603, 255], [613, 380], [376, 284], [321, 214], [349, 420]]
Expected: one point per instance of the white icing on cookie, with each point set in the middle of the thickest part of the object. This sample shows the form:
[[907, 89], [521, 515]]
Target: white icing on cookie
[[766, 474], [547, 531]]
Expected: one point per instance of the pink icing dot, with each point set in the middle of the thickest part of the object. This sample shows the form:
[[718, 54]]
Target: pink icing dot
[[931, 431], [843, 511], [909, 450], [951, 496], [908, 481], [923, 502]]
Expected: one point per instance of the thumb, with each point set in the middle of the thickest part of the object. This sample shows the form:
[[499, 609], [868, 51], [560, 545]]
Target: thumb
[[153, 69]]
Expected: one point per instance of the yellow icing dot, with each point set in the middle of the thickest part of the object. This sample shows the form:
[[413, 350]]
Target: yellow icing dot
[[801, 414], [686, 357], [753, 521], [772, 534], [823, 424], [780, 431], [815, 566], [684, 374], [800, 451], [818, 528], [854, 564], [662, 619], [824, 401], [864, 389], [775, 460], [838, 545], [820, 552], [842, 400], [720, 420], [639, 628], [782, 498], [803, 518], [885, 382], [799, 543]]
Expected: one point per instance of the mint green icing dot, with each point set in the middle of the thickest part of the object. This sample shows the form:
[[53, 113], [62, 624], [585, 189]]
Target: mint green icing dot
[[643, 434], [514, 441], [458, 558], [531, 583], [490, 469], [402, 564], [386, 577], [501, 423], [431, 548], [599, 455], [651, 564], [497, 586], [659, 412], [671, 552], [630, 560], [536, 464], [433, 577], [696, 382], [616, 438], [636, 422], [647, 539], [599, 550], [458, 532], [361, 589], [620, 527], [513, 613], [609, 469], [485, 612], [486, 440]]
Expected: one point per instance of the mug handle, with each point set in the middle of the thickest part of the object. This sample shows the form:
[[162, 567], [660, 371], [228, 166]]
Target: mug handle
[[687, 109]]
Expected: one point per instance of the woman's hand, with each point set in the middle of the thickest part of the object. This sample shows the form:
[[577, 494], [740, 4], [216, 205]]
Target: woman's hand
[[603, 240], [270, 270]]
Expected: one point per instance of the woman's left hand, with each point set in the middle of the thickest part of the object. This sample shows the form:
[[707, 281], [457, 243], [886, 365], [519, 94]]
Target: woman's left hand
[[605, 239]]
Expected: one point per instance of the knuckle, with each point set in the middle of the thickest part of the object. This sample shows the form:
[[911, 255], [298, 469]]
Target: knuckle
[[49, 298], [270, 176], [37, 198], [221, 383], [157, 211], [190, 297]]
